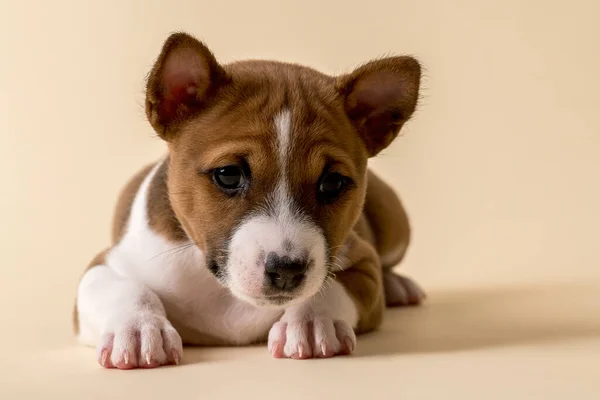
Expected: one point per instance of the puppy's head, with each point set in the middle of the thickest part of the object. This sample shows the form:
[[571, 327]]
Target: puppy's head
[[268, 160]]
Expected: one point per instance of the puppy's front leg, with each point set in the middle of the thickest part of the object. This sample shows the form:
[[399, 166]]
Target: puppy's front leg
[[325, 325], [322, 326], [126, 321]]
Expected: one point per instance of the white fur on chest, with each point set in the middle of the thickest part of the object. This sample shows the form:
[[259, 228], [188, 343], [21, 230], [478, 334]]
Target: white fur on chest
[[177, 273]]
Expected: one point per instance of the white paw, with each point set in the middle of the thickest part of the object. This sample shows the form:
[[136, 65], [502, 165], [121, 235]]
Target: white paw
[[140, 341], [311, 338]]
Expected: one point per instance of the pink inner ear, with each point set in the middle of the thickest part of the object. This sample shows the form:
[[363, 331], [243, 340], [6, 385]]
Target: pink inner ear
[[380, 92], [185, 78]]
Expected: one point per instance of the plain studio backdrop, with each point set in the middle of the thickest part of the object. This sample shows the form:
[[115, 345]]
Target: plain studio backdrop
[[499, 169]]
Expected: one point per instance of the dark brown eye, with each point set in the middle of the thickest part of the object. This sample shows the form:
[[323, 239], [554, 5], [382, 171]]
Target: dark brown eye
[[331, 186], [230, 178]]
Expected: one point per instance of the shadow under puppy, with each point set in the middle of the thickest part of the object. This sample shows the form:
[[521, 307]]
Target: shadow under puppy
[[263, 222]]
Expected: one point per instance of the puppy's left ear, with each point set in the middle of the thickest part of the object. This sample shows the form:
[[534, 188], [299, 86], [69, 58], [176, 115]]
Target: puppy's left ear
[[380, 97]]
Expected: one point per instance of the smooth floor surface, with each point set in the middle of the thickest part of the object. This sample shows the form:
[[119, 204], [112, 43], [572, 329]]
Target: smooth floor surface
[[527, 342], [498, 169]]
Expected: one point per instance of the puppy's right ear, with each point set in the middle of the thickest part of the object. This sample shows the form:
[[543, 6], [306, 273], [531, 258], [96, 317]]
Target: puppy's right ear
[[184, 78]]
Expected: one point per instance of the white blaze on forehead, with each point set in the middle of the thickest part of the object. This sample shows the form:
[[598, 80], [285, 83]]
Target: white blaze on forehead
[[282, 201], [283, 125]]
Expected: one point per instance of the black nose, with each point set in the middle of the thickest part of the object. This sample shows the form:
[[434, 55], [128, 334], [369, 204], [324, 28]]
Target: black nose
[[285, 273]]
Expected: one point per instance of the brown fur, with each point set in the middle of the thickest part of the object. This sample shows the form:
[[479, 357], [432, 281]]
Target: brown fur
[[382, 228], [161, 218], [388, 220], [213, 116], [363, 281]]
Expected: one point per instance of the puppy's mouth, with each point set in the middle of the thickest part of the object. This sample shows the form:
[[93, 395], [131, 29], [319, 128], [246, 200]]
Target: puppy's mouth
[[272, 298], [278, 299], [267, 300]]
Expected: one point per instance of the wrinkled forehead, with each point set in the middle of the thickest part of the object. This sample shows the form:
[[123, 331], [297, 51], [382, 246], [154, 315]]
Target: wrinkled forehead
[[283, 113]]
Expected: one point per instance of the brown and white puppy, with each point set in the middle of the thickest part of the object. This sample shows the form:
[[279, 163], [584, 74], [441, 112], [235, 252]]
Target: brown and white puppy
[[263, 223]]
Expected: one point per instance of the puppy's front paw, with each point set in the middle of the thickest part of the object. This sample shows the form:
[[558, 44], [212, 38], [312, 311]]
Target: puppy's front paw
[[311, 338], [139, 341]]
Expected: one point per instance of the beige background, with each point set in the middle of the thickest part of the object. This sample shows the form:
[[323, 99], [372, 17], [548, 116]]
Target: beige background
[[499, 171]]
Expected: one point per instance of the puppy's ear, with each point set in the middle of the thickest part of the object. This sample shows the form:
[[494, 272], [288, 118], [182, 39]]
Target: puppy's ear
[[183, 80], [380, 97]]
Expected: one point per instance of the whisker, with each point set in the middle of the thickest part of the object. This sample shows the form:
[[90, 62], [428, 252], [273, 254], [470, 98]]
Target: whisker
[[321, 291], [174, 250], [338, 265], [339, 260], [329, 283]]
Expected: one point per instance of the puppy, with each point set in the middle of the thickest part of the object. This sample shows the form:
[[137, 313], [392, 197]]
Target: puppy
[[263, 222]]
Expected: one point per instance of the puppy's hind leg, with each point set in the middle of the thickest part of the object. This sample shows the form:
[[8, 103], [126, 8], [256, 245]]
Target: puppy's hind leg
[[391, 234], [401, 290]]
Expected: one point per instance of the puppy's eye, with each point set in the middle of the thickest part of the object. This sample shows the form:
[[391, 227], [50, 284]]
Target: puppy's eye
[[331, 186], [229, 178]]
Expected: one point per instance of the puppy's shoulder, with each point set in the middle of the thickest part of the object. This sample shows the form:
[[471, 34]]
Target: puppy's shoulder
[[125, 201]]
